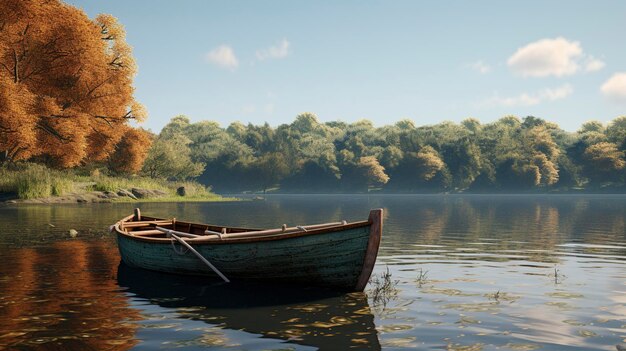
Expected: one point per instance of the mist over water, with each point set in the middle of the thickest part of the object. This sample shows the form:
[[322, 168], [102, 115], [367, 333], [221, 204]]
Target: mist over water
[[506, 272]]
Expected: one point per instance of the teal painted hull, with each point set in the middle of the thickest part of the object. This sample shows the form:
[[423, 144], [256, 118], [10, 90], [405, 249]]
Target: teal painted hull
[[332, 259], [340, 257]]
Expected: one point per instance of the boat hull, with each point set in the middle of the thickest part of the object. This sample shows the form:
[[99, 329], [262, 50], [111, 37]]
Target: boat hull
[[334, 259]]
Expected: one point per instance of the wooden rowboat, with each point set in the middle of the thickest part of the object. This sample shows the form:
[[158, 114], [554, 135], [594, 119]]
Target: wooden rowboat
[[337, 255]]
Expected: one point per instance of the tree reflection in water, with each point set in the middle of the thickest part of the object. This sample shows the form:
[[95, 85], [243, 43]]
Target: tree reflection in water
[[62, 297]]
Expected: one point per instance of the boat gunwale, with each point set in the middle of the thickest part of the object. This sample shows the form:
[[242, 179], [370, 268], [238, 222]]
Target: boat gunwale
[[226, 240]]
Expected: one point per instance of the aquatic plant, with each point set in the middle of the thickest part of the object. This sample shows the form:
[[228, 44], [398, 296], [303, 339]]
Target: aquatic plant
[[557, 275], [422, 277], [383, 288]]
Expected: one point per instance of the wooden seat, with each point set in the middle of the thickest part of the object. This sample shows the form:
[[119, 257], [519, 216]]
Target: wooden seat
[[146, 223], [145, 232]]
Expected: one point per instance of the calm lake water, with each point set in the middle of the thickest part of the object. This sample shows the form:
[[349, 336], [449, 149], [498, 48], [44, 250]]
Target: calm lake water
[[470, 273]]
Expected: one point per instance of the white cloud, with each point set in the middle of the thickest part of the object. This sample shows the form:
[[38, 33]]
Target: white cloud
[[529, 99], [278, 51], [223, 56], [615, 87], [547, 57], [556, 94], [593, 64], [480, 67]]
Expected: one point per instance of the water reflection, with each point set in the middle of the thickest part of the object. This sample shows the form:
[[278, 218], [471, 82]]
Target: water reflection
[[63, 297], [490, 263], [312, 317]]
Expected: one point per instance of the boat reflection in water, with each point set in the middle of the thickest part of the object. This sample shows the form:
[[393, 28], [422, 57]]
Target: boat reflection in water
[[315, 317]]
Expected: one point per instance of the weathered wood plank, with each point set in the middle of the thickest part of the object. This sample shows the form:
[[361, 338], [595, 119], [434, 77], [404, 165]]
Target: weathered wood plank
[[376, 229]]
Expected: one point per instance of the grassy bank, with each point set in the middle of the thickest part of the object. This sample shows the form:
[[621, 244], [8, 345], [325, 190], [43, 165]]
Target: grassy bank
[[29, 181]]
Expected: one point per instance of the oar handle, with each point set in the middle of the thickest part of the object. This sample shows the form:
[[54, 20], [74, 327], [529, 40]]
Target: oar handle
[[186, 244]]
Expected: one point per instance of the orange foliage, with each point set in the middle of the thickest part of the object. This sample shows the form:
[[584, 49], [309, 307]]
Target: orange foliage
[[131, 151], [66, 89]]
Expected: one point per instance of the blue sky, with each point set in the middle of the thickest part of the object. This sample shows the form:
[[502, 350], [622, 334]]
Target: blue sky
[[429, 61]]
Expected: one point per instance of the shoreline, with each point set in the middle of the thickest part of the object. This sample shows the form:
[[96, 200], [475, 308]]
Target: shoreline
[[94, 197]]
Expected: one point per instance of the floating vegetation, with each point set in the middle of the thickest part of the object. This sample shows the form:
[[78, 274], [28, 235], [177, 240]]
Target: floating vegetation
[[449, 292], [459, 347], [560, 305], [565, 295], [473, 307], [586, 333], [467, 320], [522, 347], [383, 288], [502, 296]]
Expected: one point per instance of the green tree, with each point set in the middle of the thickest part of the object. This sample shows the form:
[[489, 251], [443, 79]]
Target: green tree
[[372, 171], [604, 162], [170, 158], [428, 163], [616, 132], [270, 168], [306, 155]]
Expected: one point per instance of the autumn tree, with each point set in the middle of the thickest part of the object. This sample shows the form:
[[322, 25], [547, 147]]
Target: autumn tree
[[66, 94], [130, 153]]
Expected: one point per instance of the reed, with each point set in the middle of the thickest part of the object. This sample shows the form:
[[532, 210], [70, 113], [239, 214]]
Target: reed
[[30, 181], [557, 275], [383, 288], [422, 277]]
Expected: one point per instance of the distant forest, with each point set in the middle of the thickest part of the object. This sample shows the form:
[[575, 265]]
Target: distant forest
[[508, 155]]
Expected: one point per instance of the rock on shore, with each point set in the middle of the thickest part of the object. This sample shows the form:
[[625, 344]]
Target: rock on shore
[[94, 196]]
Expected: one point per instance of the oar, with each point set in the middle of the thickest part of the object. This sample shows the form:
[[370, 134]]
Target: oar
[[183, 242]]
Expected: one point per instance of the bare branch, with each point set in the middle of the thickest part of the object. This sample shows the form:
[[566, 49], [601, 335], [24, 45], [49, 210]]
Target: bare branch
[[106, 119]]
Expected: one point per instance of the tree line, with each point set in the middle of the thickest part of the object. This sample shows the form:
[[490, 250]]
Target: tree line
[[510, 154], [67, 101]]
